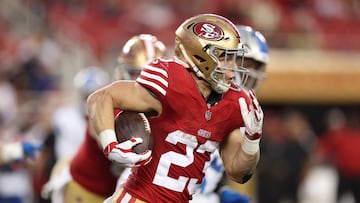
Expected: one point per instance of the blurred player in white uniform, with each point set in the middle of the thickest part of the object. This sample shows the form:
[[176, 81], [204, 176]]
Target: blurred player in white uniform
[[69, 120], [17, 150], [213, 189]]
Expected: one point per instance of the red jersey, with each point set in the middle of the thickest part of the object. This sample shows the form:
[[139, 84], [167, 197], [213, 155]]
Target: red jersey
[[91, 169], [185, 134]]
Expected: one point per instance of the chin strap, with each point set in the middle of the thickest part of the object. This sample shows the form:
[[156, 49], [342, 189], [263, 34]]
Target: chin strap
[[192, 65]]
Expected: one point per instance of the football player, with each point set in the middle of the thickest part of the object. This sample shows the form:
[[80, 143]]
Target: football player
[[136, 53], [90, 176], [256, 60], [200, 104]]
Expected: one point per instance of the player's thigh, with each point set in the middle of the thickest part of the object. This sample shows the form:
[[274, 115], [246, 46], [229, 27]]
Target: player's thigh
[[75, 193]]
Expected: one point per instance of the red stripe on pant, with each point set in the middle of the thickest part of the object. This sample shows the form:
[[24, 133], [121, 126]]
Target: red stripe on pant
[[127, 198]]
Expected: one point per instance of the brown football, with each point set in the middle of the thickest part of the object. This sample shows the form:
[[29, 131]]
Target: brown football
[[129, 124]]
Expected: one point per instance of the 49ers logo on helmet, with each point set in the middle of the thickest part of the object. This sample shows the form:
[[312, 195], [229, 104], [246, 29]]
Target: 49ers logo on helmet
[[208, 31]]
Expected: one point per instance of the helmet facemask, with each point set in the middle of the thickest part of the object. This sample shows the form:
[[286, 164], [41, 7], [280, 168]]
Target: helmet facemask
[[257, 74], [227, 60], [255, 79]]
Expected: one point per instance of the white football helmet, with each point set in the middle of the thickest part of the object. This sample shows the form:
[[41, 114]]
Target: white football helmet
[[138, 51], [257, 51], [206, 39], [89, 79]]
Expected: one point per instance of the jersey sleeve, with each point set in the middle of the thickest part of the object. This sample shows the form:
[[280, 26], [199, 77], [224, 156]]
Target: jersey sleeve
[[154, 77]]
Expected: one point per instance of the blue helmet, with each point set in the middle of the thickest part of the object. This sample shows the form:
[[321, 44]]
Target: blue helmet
[[89, 79], [257, 50], [255, 42]]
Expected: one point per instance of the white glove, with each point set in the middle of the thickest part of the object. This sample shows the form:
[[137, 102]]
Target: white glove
[[253, 116], [123, 153]]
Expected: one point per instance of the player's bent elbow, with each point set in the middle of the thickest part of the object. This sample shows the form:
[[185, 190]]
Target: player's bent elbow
[[240, 178], [242, 170], [91, 98], [97, 97], [234, 175]]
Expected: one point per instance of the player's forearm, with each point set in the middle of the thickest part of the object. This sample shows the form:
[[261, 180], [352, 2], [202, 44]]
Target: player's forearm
[[100, 111], [238, 163], [242, 166], [240, 156]]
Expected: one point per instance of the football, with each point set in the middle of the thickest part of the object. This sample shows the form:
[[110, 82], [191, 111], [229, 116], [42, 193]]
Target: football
[[129, 125]]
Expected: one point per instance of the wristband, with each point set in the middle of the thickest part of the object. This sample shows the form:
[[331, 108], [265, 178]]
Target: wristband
[[12, 152], [106, 137], [250, 146]]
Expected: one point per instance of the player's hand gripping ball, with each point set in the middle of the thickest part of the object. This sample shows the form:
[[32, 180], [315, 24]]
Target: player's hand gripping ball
[[129, 125]]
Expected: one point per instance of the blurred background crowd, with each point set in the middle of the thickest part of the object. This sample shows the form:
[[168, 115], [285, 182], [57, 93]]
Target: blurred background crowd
[[310, 147]]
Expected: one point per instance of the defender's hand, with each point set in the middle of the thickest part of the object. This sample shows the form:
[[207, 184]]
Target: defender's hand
[[30, 149], [253, 116], [123, 154]]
